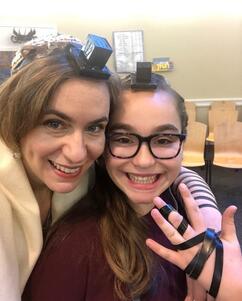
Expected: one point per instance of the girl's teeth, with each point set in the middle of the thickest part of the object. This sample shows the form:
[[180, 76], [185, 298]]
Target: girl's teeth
[[65, 169], [142, 180]]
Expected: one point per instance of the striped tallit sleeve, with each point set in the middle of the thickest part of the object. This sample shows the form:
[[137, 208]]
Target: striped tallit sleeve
[[202, 193]]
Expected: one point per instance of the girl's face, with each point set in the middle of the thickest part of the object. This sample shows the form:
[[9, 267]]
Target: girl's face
[[69, 137], [143, 177]]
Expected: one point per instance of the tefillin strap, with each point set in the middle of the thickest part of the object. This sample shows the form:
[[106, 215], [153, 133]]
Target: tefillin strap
[[210, 242]]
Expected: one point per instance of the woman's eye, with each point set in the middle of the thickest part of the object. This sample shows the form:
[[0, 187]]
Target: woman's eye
[[96, 128], [53, 123]]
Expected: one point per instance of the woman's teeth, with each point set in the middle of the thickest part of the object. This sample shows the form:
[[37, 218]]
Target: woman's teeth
[[65, 169], [142, 179]]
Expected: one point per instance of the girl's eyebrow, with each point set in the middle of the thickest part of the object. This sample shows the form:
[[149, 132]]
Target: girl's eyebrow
[[160, 128], [66, 117]]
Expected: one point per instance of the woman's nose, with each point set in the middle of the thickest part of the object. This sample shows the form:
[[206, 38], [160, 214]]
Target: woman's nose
[[75, 148]]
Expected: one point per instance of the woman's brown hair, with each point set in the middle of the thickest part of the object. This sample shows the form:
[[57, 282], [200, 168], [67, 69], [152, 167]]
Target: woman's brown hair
[[26, 94]]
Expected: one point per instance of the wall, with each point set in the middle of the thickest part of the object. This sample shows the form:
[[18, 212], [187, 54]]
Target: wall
[[203, 41]]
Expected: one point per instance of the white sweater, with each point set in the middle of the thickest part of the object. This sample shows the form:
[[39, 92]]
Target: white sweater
[[20, 225]]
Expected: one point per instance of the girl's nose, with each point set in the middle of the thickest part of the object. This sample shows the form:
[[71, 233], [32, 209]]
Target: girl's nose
[[144, 158]]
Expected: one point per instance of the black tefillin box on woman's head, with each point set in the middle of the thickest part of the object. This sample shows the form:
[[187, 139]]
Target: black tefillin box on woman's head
[[92, 57]]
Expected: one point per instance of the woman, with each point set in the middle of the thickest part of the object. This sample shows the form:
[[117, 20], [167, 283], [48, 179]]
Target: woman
[[53, 112], [98, 252]]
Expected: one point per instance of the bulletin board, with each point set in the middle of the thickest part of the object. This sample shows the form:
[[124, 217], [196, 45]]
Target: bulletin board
[[128, 49]]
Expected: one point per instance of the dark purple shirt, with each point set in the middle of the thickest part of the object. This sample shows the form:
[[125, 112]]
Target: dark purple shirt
[[73, 268]]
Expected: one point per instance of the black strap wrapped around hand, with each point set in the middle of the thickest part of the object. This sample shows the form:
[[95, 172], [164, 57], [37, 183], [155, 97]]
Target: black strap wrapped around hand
[[195, 267], [210, 241], [183, 226], [218, 269], [165, 212]]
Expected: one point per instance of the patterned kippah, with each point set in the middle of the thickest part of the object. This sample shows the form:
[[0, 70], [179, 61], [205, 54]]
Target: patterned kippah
[[40, 47]]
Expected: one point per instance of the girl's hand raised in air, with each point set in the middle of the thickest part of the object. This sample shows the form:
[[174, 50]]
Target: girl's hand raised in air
[[197, 247]]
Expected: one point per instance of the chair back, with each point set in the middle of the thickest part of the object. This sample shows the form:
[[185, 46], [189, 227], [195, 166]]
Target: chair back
[[215, 117], [193, 149], [228, 144], [191, 110], [223, 105]]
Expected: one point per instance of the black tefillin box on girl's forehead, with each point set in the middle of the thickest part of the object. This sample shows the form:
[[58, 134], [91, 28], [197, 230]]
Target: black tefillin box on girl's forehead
[[142, 79]]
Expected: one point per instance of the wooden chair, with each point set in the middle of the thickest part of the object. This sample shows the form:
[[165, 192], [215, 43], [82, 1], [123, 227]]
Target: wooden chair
[[193, 150], [223, 105], [215, 117], [228, 145], [191, 110]]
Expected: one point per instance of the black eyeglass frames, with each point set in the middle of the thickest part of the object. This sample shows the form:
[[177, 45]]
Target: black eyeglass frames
[[162, 146]]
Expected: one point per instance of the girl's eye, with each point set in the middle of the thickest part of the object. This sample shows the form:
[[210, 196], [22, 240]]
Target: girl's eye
[[162, 140], [122, 140], [53, 123]]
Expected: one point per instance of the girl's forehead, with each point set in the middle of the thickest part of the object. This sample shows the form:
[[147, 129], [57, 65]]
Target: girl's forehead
[[146, 110], [145, 102]]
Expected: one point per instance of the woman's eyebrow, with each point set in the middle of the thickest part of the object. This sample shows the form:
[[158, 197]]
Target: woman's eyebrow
[[57, 113], [66, 117]]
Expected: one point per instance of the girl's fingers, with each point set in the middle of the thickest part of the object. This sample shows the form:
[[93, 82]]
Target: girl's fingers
[[228, 226], [169, 228], [169, 255], [158, 202], [175, 219], [169, 231], [193, 212]]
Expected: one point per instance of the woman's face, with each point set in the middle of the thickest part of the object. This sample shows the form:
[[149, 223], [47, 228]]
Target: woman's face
[[143, 177], [69, 137]]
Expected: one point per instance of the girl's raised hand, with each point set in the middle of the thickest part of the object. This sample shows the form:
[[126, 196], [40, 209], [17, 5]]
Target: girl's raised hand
[[231, 281]]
